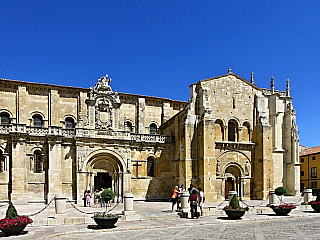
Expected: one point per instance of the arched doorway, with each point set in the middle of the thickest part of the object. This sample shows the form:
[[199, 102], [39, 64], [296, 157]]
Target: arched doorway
[[233, 180], [104, 169]]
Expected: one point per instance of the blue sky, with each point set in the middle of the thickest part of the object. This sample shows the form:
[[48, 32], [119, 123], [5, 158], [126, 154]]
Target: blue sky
[[159, 48]]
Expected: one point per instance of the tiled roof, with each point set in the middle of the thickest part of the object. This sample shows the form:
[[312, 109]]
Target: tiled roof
[[309, 151]]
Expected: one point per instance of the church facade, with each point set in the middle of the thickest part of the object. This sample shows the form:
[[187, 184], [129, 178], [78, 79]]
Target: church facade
[[230, 135]]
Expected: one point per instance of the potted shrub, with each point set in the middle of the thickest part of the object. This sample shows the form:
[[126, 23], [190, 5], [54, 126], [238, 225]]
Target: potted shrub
[[104, 219], [316, 204], [234, 211], [282, 209], [13, 224]]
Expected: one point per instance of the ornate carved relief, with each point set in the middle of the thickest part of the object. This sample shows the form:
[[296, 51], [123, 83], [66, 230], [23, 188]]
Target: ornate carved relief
[[81, 153]]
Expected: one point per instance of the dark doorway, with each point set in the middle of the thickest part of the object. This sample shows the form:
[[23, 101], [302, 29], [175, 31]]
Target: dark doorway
[[102, 180], [229, 186]]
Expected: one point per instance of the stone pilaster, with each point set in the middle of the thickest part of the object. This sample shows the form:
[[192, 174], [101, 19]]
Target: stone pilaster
[[54, 170], [141, 115], [19, 171]]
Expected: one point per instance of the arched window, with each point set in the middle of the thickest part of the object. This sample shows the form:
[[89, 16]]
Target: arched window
[[129, 126], [153, 128], [5, 118], [1, 162], [69, 122], [219, 133], [37, 120], [231, 131], [150, 167], [38, 165], [246, 132]]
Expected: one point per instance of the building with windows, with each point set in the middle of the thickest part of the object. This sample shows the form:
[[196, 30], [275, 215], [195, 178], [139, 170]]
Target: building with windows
[[310, 163], [231, 135]]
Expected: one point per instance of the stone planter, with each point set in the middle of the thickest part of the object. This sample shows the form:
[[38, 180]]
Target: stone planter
[[15, 230], [235, 214], [316, 207], [106, 222], [281, 212]]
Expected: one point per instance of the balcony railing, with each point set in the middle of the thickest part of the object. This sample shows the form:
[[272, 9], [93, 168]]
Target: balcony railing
[[83, 132]]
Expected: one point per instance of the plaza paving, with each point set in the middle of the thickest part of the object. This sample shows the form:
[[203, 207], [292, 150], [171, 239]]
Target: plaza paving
[[157, 221]]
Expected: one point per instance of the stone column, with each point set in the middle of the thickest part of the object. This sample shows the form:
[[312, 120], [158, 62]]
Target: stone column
[[307, 196], [230, 195], [272, 197]]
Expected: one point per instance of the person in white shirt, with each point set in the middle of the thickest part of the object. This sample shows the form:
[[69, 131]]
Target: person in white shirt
[[201, 198]]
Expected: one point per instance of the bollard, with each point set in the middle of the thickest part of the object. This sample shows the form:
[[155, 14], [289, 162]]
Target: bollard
[[60, 206], [184, 202], [272, 197], [230, 195], [307, 196], [128, 213], [128, 202]]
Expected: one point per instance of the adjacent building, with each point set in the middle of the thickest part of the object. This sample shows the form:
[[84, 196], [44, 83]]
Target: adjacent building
[[230, 135], [310, 163]]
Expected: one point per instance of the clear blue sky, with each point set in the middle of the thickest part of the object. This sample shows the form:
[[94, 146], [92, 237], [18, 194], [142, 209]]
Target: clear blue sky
[[159, 48]]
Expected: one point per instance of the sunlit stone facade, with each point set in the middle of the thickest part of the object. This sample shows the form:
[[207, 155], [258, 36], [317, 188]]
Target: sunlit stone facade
[[231, 135]]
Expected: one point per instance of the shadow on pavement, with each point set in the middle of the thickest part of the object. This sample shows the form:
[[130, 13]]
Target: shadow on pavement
[[96, 227]]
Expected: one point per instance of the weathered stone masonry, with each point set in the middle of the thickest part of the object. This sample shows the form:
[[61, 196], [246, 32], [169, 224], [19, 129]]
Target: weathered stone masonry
[[231, 135]]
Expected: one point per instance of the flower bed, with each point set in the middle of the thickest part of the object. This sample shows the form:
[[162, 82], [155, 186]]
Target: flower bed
[[19, 221], [238, 208], [283, 206], [104, 215]]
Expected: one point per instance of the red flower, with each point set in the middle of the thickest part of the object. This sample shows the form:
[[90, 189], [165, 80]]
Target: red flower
[[20, 220]]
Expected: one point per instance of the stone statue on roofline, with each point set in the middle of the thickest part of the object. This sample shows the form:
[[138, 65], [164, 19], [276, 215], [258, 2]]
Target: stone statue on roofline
[[103, 85]]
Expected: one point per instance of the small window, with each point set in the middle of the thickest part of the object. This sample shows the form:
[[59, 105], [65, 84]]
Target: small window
[[69, 122], [313, 172], [302, 173], [313, 184], [37, 120], [150, 166], [5, 118], [37, 162], [302, 159], [314, 158], [153, 128], [129, 126], [301, 187]]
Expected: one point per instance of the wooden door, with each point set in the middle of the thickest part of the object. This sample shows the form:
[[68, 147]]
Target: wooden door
[[229, 186]]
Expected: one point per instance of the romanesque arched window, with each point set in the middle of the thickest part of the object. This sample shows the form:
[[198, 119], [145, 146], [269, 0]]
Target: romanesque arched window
[[37, 120], [232, 131], [38, 164], [5, 118], [153, 128], [246, 132], [129, 126], [69, 122], [219, 133], [150, 167]]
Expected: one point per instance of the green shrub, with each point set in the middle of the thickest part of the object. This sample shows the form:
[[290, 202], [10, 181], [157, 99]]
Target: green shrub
[[235, 202], [11, 212], [281, 191], [107, 195]]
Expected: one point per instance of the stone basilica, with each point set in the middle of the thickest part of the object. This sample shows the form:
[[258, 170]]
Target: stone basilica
[[230, 135]]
